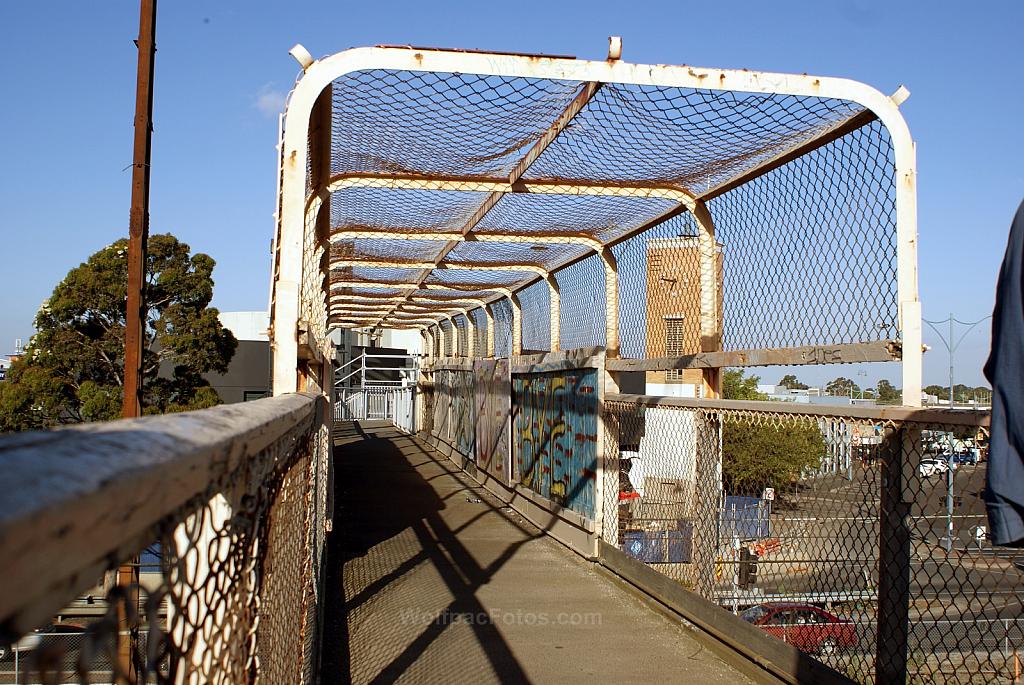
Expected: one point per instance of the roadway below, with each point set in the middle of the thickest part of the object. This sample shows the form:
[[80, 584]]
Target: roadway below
[[430, 579]]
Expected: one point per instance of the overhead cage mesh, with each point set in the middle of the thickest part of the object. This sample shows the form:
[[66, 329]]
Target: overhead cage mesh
[[535, 303], [440, 124], [479, 317], [462, 335], [502, 313], [582, 304], [801, 252]]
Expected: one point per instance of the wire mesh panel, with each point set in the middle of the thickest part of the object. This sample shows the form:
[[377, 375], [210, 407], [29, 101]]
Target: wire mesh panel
[[810, 248], [462, 335], [535, 302], [502, 313], [809, 524], [660, 293], [480, 329], [447, 339], [582, 304]]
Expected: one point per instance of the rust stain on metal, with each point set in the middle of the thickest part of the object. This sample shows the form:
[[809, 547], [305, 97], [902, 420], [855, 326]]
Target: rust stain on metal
[[471, 51]]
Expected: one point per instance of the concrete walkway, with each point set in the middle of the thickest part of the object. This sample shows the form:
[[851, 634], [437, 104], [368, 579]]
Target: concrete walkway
[[430, 580]]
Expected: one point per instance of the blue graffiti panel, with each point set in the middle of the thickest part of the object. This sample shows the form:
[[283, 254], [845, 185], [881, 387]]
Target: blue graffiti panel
[[555, 436]]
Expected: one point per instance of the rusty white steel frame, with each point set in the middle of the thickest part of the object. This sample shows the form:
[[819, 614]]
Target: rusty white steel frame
[[299, 212]]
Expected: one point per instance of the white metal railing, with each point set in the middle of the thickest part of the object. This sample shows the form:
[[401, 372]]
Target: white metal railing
[[354, 371], [375, 403]]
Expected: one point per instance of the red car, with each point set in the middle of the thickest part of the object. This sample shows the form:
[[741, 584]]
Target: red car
[[806, 627]]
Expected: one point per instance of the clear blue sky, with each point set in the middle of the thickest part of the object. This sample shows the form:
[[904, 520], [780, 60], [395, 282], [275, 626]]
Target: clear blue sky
[[68, 74]]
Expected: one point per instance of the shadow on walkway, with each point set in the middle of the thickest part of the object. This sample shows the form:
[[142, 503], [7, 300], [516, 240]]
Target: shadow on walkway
[[429, 579]]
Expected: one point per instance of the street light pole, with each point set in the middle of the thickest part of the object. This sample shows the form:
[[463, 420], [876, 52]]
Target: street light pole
[[951, 343]]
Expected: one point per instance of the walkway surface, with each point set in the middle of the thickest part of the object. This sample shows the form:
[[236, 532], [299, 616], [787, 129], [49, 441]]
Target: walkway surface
[[431, 580]]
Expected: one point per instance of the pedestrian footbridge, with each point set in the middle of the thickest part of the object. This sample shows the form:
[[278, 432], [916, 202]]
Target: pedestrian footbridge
[[558, 490]]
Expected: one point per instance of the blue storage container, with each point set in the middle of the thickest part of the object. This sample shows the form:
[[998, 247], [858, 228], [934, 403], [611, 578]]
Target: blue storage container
[[660, 546]]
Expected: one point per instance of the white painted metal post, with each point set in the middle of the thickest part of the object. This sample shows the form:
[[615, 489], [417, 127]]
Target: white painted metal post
[[471, 350], [517, 325], [555, 310], [710, 295], [456, 343], [490, 331], [906, 266], [611, 302]]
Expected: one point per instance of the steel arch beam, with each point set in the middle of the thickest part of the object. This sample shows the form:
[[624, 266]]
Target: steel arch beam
[[321, 73]]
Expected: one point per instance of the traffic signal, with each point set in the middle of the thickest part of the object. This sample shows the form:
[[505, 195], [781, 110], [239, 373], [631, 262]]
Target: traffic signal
[[748, 568]]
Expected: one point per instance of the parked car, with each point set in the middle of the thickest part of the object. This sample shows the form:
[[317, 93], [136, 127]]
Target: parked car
[[56, 631], [968, 457], [934, 466], [804, 626]]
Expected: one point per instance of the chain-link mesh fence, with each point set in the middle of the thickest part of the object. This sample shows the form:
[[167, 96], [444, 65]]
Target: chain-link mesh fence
[[535, 302], [738, 220], [502, 313], [230, 591], [462, 335], [479, 317], [833, 531]]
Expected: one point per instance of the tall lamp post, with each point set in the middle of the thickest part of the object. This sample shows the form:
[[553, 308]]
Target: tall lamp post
[[951, 343]]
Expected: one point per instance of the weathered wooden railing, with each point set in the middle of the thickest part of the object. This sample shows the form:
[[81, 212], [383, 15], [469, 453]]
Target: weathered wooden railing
[[230, 501]]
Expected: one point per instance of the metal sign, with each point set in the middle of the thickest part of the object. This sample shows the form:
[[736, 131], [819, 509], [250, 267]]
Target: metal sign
[[769, 494]]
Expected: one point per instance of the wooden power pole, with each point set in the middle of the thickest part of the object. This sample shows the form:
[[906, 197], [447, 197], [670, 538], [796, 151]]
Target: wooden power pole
[[138, 225], [135, 316]]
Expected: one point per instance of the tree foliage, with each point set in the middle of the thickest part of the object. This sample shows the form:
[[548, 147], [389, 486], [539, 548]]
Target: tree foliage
[[961, 392], [791, 382], [73, 368], [888, 393], [758, 456], [842, 386], [738, 386], [755, 456]]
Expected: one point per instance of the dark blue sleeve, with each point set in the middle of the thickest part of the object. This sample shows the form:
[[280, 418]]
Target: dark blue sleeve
[[1004, 481]]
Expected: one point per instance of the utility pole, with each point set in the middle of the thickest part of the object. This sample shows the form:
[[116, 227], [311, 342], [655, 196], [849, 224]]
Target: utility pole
[[135, 314]]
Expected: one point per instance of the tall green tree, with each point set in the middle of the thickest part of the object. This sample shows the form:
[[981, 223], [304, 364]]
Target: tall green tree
[[73, 368], [888, 393], [736, 385], [756, 455], [791, 382], [842, 386]]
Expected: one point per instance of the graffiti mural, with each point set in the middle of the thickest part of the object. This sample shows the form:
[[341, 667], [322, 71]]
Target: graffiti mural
[[493, 409], [462, 412], [453, 410], [555, 436]]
